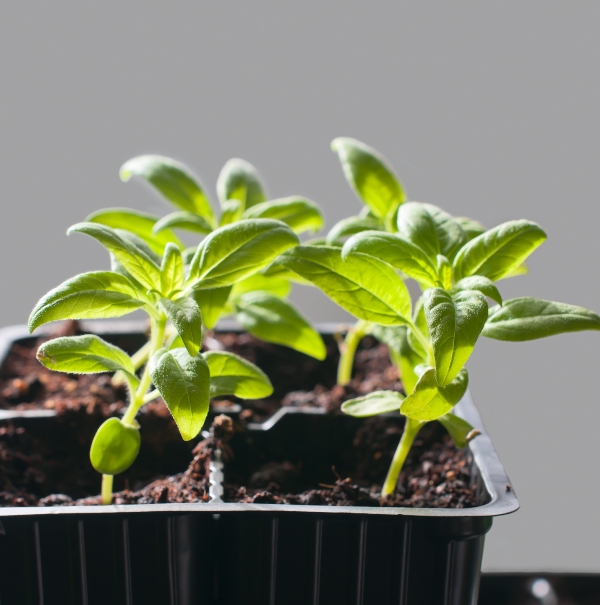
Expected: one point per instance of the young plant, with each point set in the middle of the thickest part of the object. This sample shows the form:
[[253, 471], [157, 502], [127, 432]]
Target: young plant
[[185, 378], [432, 341], [258, 302]]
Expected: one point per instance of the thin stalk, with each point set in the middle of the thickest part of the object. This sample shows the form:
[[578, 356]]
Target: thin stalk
[[348, 351], [107, 486], [411, 429]]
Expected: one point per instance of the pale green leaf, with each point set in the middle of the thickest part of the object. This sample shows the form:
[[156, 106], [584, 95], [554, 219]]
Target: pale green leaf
[[239, 180], [373, 404], [450, 234], [349, 226], [299, 213], [231, 211], [457, 428], [185, 315], [482, 284], [232, 375], [417, 226], [171, 271], [259, 281], [212, 303], [470, 227], [183, 220], [115, 447]]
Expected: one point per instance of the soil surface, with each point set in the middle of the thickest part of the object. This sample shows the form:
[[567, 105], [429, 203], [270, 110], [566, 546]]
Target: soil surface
[[38, 465]]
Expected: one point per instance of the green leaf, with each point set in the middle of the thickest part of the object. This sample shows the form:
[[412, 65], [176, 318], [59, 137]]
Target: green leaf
[[184, 383], [444, 269], [450, 234], [528, 318], [299, 213], [349, 226], [517, 271], [470, 227], [173, 180], [498, 251], [87, 354], [234, 252], [275, 320], [212, 303], [134, 259], [429, 400], [185, 315], [183, 220], [95, 295], [454, 322], [481, 284], [232, 375], [397, 252], [140, 223], [370, 175], [231, 211], [171, 271], [239, 180], [366, 287], [373, 404], [261, 282], [457, 428], [115, 447]]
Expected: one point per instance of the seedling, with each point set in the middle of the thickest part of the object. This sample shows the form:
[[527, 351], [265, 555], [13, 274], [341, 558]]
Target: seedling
[[185, 378], [258, 302], [431, 341]]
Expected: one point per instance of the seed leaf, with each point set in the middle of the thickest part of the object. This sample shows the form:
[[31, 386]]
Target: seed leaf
[[134, 258], [237, 251], [275, 320], [173, 180], [454, 322], [232, 375], [115, 447], [95, 295], [364, 286], [184, 383], [140, 223], [351, 225], [183, 220], [499, 251], [429, 400], [299, 213], [239, 180], [185, 315], [528, 318], [171, 271], [457, 428], [397, 252], [373, 404], [212, 303], [481, 284], [370, 175], [87, 354]]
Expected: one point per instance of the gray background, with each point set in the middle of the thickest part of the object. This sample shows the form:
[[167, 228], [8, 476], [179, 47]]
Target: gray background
[[487, 109]]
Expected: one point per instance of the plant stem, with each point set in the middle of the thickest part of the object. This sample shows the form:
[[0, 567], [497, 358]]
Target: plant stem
[[348, 351], [411, 429], [107, 485]]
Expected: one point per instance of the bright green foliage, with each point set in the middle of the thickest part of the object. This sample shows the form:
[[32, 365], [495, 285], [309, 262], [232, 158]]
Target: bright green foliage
[[233, 375], [373, 404], [115, 447]]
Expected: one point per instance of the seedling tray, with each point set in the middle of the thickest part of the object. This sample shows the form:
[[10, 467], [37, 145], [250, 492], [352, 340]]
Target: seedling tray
[[251, 554]]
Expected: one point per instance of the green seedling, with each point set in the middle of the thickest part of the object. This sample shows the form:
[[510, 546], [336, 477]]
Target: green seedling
[[161, 286], [430, 341], [258, 302]]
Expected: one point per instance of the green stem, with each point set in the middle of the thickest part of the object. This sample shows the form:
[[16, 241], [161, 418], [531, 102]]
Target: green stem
[[348, 351], [411, 429], [107, 486]]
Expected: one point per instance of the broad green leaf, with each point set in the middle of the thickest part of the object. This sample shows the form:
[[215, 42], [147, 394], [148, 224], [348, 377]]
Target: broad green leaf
[[470, 227], [450, 234], [239, 180], [444, 269], [185, 315], [95, 295], [457, 428], [454, 322], [370, 175], [173, 180], [498, 251], [417, 226], [231, 211], [259, 281], [212, 303], [234, 252], [366, 287], [299, 213], [420, 322], [522, 269], [87, 354], [349, 226], [397, 252], [115, 447], [171, 271], [275, 320], [183, 220], [429, 400], [526, 318], [482, 284], [140, 223], [232, 375], [138, 263], [184, 383], [373, 404]]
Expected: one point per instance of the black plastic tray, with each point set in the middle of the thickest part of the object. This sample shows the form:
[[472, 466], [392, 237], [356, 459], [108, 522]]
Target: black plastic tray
[[223, 553]]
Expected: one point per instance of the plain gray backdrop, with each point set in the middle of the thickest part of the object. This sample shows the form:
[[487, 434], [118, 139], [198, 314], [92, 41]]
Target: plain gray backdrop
[[489, 110]]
